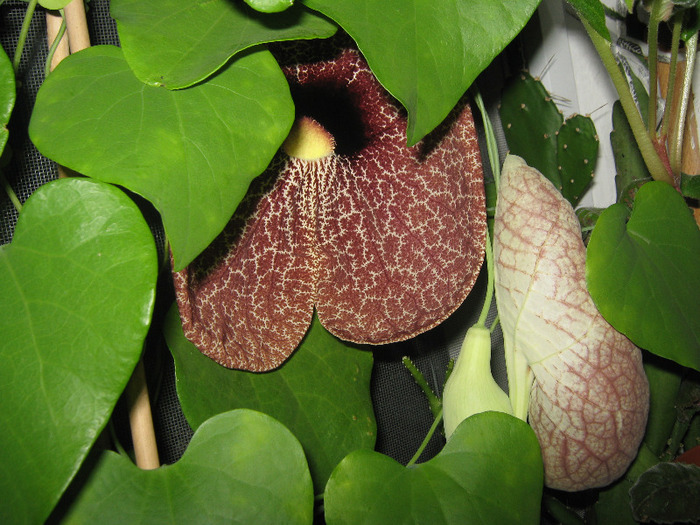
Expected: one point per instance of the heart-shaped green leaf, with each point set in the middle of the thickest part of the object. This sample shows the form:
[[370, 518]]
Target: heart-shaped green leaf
[[175, 43], [329, 426], [240, 467], [77, 286], [644, 276], [191, 152], [490, 471], [7, 95], [425, 53]]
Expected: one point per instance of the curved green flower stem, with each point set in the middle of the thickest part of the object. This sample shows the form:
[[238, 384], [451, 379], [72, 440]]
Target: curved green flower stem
[[426, 439], [651, 158], [491, 145], [433, 400], [653, 41], [670, 91], [676, 146], [10, 192], [55, 43], [489, 282], [23, 34], [494, 324]]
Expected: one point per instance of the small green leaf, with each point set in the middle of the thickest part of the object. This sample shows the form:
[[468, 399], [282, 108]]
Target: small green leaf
[[427, 54], [77, 286], [329, 426], [270, 6], [191, 152], [489, 472], [52, 4], [667, 493], [176, 44], [593, 12], [240, 467], [690, 185], [643, 273]]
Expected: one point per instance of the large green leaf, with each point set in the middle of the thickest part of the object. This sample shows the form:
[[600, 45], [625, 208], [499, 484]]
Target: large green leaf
[[490, 471], [7, 95], [240, 467], [191, 152], [175, 43], [77, 286], [643, 273], [329, 426], [427, 53]]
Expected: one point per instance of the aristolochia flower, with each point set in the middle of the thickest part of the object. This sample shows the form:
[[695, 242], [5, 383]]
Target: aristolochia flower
[[385, 241]]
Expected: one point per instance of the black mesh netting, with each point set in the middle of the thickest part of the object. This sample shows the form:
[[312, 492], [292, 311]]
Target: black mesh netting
[[402, 412]]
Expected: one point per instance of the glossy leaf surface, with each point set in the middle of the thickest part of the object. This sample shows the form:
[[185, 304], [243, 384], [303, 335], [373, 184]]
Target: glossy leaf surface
[[191, 152], [7, 95], [176, 44], [240, 467], [77, 286], [489, 472], [426, 54], [329, 426], [643, 273]]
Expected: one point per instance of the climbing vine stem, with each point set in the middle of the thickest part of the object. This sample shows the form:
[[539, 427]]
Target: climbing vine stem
[[426, 439], [23, 34]]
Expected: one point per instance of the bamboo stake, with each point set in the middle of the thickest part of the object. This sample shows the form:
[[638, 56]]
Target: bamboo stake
[[141, 420], [78, 35]]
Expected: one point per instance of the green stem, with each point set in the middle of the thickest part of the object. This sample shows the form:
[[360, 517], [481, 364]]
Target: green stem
[[489, 283], [494, 324], [10, 192], [651, 158], [433, 400], [55, 43], [426, 439], [23, 34], [671, 88], [676, 147], [653, 41], [491, 144]]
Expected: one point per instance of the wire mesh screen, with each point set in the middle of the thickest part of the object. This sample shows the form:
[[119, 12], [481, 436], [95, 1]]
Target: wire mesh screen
[[402, 412]]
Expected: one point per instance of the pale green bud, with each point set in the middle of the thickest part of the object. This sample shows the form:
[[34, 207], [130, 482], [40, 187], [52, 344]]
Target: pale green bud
[[471, 389]]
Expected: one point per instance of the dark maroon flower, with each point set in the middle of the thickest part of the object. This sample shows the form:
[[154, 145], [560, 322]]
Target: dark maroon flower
[[385, 241]]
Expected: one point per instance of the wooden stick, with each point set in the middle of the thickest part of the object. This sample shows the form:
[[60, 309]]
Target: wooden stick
[[141, 420], [77, 30]]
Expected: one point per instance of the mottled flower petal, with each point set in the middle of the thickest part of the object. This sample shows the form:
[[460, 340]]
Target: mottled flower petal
[[385, 240], [589, 402]]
